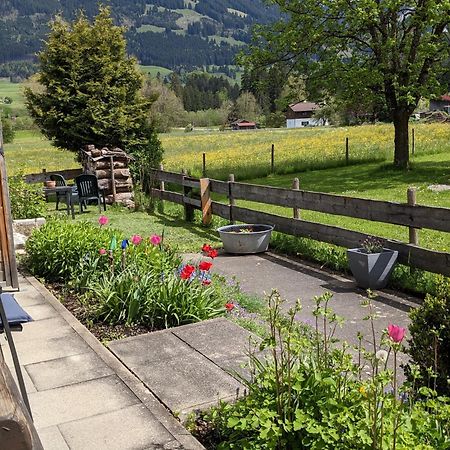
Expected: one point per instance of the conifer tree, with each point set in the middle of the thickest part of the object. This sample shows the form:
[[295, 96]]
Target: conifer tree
[[91, 89]]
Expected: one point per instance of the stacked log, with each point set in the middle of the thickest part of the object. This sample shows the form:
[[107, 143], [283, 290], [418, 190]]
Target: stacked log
[[110, 166]]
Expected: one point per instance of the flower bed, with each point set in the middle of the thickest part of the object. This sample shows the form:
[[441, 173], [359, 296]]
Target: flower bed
[[117, 281], [311, 392]]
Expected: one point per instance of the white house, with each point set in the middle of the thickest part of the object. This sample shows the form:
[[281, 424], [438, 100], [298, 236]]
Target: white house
[[300, 115]]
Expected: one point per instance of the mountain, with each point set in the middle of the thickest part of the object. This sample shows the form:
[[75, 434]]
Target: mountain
[[177, 34]]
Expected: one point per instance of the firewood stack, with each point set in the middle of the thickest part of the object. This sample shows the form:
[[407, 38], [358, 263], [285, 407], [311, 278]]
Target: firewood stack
[[111, 169]]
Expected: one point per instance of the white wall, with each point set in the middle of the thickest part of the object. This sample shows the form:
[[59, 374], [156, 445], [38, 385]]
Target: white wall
[[306, 122]]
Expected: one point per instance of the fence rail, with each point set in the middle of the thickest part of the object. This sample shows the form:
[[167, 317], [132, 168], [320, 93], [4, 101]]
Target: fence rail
[[68, 174], [409, 215]]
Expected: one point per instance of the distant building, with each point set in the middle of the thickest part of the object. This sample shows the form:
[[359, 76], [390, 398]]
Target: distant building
[[300, 115], [441, 104], [243, 125]]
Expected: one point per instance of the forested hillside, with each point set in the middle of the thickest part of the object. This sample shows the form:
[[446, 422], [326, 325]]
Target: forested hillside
[[177, 34]]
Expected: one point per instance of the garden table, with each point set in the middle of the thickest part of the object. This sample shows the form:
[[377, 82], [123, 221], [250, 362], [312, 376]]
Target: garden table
[[68, 190]]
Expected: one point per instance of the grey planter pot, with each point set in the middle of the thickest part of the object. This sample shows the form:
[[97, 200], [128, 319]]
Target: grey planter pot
[[256, 241], [371, 270]]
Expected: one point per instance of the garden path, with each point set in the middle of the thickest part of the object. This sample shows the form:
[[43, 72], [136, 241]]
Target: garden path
[[259, 274], [81, 396]]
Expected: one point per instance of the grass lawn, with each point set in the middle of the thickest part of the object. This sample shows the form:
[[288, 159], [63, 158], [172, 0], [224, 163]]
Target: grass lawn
[[153, 70], [186, 237], [247, 154], [31, 152], [378, 181]]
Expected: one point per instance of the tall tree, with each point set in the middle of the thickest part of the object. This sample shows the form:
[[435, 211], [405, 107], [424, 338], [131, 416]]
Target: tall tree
[[393, 49], [90, 89]]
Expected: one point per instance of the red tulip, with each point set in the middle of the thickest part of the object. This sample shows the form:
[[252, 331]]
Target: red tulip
[[396, 333], [212, 253], [229, 306], [205, 265], [206, 248], [187, 271]]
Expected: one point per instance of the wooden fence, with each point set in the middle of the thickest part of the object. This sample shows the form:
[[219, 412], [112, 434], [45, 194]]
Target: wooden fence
[[408, 214]]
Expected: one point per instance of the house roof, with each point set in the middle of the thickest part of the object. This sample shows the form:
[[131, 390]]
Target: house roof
[[304, 106], [244, 123], [445, 98]]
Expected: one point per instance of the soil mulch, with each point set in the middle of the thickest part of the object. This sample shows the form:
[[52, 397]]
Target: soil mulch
[[102, 331]]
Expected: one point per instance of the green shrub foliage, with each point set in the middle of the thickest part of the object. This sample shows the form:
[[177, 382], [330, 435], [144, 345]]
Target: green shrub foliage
[[308, 391], [125, 283], [27, 201], [429, 346], [59, 249]]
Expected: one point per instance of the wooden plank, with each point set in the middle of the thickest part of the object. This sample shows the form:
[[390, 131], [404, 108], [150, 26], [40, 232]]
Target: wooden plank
[[191, 182], [9, 252], [205, 198], [220, 187], [375, 210], [432, 261], [17, 431], [170, 177], [176, 197], [69, 174]]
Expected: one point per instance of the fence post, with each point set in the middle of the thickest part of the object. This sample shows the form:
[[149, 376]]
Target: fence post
[[347, 157], [413, 146], [188, 209], [272, 159], [162, 188], [205, 197], [231, 200], [204, 165], [413, 232], [296, 187]]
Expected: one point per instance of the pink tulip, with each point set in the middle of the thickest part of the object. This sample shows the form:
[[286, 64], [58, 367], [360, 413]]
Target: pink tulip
[[102, 251], [103, 220], [396, 333], [155, 239], [136, 239]]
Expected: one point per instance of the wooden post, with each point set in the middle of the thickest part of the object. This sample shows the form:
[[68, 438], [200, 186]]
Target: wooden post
[[272, 159], [347, 157], [413, 232], [6, 230], [113, 179], [231, 200], [205, 197], [162, 188], [204, 165], [296, 187], [188, 209], [413, 143]]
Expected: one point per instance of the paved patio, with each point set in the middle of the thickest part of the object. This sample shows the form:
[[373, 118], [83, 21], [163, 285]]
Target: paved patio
[[81, 396]]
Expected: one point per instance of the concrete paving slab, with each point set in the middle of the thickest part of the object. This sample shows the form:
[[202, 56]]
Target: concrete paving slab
[[77, 401], [43, 350], [182, 382], [52, 439], [218, 340], [69, 370], [29, 386], [148, 348], [41, 312], [127, 429], [42, 330]]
